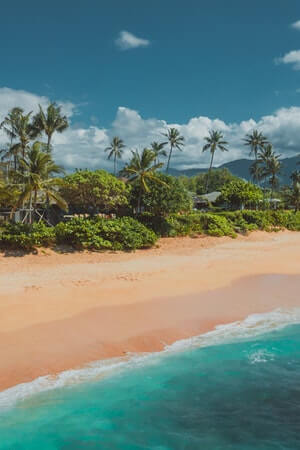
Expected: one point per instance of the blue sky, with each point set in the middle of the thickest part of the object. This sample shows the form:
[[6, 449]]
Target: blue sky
[[228, 60]]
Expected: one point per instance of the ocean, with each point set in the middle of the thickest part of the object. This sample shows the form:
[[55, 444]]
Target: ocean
[[237, 387]]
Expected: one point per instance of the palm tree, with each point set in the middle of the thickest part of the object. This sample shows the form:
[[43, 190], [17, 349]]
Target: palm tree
[[256, 141], [142, 168], [50, 121], [272, 169], [215, 141], [175, 140], [37, 168], [23, 132], [294, 196], [115, 150], [295, 177], [158, 149], [256, 172], [9, 127]]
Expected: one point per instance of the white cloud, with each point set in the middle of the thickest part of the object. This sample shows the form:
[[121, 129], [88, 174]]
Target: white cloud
[[296, 25], [127, 40], [293, 57], [83, 147]]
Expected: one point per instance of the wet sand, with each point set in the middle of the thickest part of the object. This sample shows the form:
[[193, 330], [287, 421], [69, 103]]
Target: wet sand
[[60, 311]]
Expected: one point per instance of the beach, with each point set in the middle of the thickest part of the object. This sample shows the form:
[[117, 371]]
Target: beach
[[62, 310]]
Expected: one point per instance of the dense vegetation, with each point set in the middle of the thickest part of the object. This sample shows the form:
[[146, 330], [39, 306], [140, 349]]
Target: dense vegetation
[[131, 208]]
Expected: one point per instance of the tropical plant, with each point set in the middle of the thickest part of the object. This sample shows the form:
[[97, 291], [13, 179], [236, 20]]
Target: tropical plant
[[36, 170], [158, 149], [175, 140], [256, 172], [295, 176], [9, 126], [115, 150], [163, 199], [239, 194], [272, 169], [215, 141], [49, 122], [94, 191], [256, 141], [142, 169], [23, 132]]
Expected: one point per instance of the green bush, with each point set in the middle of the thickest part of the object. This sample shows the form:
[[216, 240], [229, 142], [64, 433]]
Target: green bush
[[26, 237], [125, 233]]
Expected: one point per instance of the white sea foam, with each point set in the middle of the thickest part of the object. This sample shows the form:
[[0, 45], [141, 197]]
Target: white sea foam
[[249, 328]]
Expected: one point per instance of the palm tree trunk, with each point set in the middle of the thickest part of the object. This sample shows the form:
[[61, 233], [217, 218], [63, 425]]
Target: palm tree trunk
[[208, 173], [49, 144], [30, 208], [115, 165], [169, 159], [139, 205]]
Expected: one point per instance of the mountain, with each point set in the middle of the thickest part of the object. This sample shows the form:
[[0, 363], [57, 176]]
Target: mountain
[[240, 168]]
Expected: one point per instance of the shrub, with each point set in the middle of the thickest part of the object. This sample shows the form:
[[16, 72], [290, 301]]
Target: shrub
[[238, 193], [125, 233], [26, 237], [94, 191]]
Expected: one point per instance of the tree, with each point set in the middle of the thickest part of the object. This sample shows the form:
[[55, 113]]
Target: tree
[[9, 125], [23, 132], [272, 170], [93, 191], [215, 141], [142, 169], [162, 199], [158, 149], [256, 141], [49, 122], [256, 172], [115, 150], [238, 194], [295, 177], [175, 140], [36, 170]]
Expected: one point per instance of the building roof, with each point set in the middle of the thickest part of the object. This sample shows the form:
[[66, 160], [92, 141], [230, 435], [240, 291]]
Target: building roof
[[211, 196]]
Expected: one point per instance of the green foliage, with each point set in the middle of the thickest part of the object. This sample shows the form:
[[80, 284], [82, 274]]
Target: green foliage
[[217, 179], [94, 191], [239, 193], [26, 237], [125, 233], [163, 198], [221, 224]]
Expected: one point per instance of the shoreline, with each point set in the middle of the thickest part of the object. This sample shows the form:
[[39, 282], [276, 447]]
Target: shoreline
[[60, 312]]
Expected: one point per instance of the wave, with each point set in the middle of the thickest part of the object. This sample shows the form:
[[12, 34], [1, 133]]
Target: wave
[[253, 326]]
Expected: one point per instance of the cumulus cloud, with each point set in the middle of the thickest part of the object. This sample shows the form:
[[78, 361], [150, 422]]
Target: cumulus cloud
[[296, 25], [292, 57], [127, 40], [83, 147]]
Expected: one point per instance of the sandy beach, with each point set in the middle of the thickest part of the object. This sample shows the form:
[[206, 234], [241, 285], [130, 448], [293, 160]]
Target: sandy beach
[[62, 310]]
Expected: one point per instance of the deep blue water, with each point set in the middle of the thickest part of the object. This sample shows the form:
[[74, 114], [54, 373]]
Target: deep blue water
[[243, 395]]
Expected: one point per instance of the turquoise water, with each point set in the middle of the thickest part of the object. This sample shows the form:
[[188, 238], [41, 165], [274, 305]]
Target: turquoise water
[[239, 395]]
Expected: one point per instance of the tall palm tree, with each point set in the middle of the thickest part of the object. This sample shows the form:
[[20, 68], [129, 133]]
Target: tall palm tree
[[49, 122], [175, 140], [295, 177], [23, 132], [158, 149], [9, 127], [142, 168], [215, 141], [256, 141], [272, 169], [256, 172], [37, 168], [115, 150]]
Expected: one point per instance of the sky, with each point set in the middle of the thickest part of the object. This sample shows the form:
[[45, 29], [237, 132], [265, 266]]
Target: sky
[[133, 68]]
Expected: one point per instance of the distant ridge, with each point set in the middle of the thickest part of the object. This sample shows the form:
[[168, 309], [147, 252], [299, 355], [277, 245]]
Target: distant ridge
[[240, 168]]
